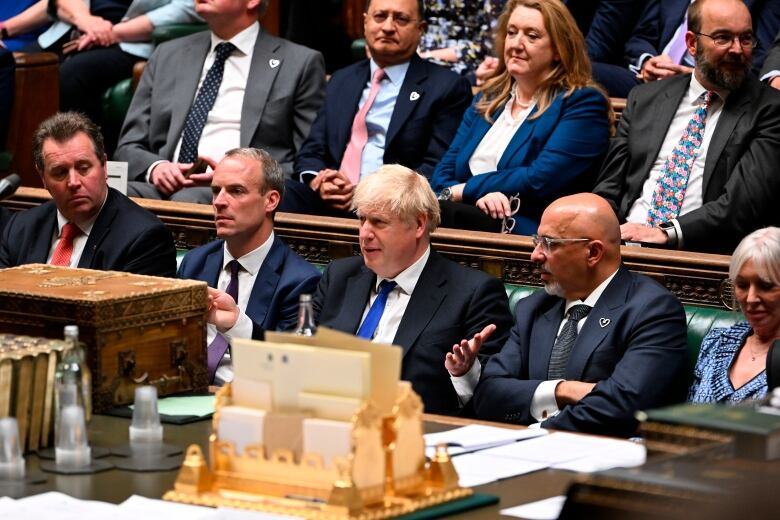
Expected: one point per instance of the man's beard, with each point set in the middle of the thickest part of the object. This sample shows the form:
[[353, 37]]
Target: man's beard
[[729, 79], [553, 289]]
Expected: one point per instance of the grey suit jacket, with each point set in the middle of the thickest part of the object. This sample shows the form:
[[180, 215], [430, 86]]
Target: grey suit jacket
[[280, 102], [772, 61], [740, 183]]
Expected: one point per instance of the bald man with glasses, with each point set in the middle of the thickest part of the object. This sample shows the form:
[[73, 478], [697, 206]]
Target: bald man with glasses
[[597, 345]]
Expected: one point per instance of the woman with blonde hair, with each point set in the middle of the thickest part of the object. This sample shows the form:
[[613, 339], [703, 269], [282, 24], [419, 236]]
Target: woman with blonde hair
[[538, 129], [732, 360]]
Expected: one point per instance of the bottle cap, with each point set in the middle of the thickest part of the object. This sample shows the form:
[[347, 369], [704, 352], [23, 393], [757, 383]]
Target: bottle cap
[[146, 427], [11, 460], [72, 450]]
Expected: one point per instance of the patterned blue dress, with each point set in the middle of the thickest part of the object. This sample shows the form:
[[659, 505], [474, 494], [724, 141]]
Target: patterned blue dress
[[711, 382]]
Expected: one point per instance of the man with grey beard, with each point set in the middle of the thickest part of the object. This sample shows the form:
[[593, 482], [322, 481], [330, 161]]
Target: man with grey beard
[[694, 163], [598, 345]]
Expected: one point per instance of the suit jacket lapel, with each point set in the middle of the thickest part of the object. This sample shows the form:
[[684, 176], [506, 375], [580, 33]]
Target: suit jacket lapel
[[261, 78], [359, 289], [664, 111], [601, 320], [404, 104], [351, 93], [430, 291], [265, 283], [100, 230], [40, 248], [187, 79], [733, 109], [543, 335], [522, 134], [213, 265]]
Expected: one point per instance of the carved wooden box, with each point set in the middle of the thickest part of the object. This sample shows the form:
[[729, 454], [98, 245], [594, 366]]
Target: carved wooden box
[[137, 329]]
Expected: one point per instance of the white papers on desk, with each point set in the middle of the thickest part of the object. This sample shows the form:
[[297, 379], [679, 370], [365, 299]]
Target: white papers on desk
[[60, 506], [575, 452], [547, 509], [64, 507], [477, 437], [476, 469]]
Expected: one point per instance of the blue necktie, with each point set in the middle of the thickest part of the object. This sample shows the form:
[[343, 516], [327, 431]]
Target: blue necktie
[[204, 101], [368, 328], [219, 344]]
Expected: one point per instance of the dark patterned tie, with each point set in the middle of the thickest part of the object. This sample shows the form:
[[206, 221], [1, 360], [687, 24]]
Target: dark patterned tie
[[219, 344], [565, 341], [368, 328], [204, 101]]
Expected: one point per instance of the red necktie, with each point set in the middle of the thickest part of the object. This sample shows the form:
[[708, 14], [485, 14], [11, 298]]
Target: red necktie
[[350, 163], [64, 249]]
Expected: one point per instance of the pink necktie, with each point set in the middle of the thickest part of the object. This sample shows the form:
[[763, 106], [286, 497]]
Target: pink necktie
[[350, 163], [64, 249]]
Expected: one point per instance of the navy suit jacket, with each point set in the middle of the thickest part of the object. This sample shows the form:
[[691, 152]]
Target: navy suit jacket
[[612, 26], [283, 277], [449, 303], [633, 346], [420, 129], [124, 237], [547, 157], [661, 18]]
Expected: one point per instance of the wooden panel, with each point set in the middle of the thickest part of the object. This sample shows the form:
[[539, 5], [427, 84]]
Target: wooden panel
[[697, 278], [37, 97], [270, 19], [352, 18]]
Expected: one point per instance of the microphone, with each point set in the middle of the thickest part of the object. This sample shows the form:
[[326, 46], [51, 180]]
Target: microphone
[[9, 185]]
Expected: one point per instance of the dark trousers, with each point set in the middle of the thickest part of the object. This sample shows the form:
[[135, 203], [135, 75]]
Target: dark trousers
[[84, 78], [7, 85], [299, 198], [617, 80]]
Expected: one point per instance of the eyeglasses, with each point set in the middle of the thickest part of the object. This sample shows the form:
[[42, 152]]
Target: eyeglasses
[[400, 20], [508, 223], [547, 243], [725, 39]]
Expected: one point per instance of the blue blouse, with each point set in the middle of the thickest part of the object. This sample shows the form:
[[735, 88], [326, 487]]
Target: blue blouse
[[711, 382]]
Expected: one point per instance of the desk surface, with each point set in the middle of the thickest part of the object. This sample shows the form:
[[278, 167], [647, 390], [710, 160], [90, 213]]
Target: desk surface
[[116, 485]]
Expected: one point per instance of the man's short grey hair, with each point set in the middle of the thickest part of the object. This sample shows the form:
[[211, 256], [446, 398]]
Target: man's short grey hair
[[63, 127], [272, 172], [763, 248], [400, 191]]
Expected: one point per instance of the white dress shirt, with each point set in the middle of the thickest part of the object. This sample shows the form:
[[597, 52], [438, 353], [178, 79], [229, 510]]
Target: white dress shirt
[[78, 242], [222, 131], [247, 275], [543, 404], [694, 192], [492, 146]]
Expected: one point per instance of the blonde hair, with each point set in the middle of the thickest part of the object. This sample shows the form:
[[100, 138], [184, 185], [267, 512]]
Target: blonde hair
[[763, 248], [570, 71], [400, 191]]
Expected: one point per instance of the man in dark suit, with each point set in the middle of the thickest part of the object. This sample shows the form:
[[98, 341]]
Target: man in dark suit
[[407, 116], [207, 93], [706, 190], [650, 54], [247, 186], [771, 71], [87, 224], [401, 292], [435, 302], [599, 344]]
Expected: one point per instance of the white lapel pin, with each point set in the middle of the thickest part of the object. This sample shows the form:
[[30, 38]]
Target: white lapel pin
[[414, 96], [273, 62], [603, 322]]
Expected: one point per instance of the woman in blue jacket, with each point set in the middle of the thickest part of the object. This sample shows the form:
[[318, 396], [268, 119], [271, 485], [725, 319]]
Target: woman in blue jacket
[[539, 128]]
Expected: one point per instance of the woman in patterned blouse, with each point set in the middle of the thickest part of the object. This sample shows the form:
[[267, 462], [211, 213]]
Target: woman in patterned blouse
[[732, 361]]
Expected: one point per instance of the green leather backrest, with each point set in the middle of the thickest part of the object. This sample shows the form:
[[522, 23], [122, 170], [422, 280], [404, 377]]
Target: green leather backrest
[[116, 100]]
